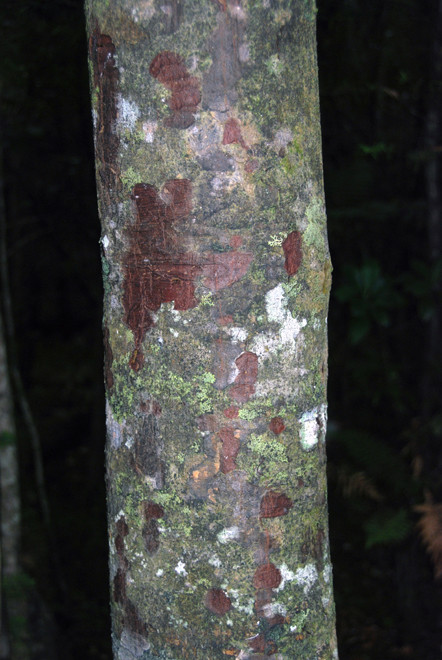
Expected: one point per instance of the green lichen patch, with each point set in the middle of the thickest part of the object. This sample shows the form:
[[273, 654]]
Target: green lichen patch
[[265, 461]]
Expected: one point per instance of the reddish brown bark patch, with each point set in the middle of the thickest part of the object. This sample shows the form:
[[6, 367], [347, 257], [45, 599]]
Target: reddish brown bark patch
[[259, 644], [292, 247], [122, 526], [224, 268], [152, 510], [231, 412], [267, 576], [169, 69], [155, 269], [274, 505], [229, 450], [151, 536], [232, 133], [251, 165], [217, 601], [158, 269], [276, 425], [133, 620], [244, 385], [276, 620], [236, 241], [225, 320], [119, 584]]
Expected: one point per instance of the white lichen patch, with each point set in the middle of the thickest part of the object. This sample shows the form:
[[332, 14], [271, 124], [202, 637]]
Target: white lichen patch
[[237, 12], [180, 568], [228, 534], [313, 426], [246, 605], [215, 561], [327, 573], [143, 10], [282, 138], [128, 113], [159, 572], [149, 128], [273, 608], [286, 576], [277, 312], [265, 344], [174, 332], [306, 577], [237, 334]]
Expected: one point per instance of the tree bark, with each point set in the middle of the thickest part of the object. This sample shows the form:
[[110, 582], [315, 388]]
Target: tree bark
[[216, 277]]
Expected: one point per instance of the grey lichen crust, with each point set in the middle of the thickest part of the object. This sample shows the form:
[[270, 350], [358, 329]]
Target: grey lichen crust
[[217, 407]]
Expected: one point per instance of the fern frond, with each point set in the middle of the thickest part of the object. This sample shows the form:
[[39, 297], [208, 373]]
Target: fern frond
[[430, 529]]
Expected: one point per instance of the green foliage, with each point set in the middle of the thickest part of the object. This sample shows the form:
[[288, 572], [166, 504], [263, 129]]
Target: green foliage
[[421, 282], [389, 526], [376, 150], [371, 297]]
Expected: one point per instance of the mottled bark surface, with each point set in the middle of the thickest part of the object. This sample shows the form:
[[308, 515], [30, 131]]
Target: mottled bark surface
[[216, 276]]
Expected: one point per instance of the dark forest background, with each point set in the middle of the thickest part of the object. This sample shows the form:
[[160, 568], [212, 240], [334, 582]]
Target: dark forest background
[[380, 87]]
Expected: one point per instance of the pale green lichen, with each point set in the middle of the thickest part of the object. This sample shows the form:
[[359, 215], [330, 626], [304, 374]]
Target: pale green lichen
[[275, 66], [316, 221], [292, 288], [206, 300], [276, 240], [162, 385], [130, 178], [265, 460]]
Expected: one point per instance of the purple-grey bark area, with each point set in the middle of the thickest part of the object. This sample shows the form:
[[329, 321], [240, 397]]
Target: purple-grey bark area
[[216, 279]]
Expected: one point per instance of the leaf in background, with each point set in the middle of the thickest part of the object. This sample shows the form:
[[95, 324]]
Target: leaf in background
[[387, 527], [371, 298]]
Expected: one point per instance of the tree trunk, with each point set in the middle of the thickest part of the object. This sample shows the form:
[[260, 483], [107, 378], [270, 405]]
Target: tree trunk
[[216, 276]]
